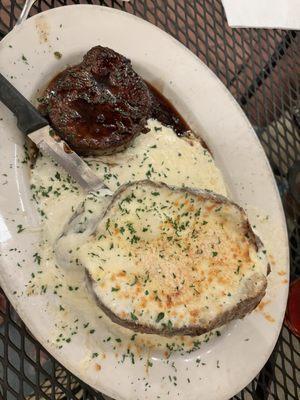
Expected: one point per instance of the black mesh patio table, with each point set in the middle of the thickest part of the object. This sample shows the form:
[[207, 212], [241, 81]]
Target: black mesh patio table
[[261, 68]]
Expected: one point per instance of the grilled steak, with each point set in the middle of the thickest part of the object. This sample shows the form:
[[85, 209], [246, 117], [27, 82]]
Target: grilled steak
[[99, 105]]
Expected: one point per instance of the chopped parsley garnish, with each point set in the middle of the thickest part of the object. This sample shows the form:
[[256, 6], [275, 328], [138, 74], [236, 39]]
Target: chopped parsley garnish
[[20, 228], [170, 325], [130, 228], [160, 316], [57, 55], [134, 239], [37, 258], [133, 317], [24, 59], [237, 271], [107, 225], [197, 213]]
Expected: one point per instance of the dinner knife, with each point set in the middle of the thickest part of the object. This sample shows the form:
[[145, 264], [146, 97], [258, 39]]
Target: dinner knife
[[32, 124]]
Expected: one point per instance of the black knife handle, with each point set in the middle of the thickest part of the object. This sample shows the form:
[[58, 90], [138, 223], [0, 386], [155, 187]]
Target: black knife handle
[[29, 119]]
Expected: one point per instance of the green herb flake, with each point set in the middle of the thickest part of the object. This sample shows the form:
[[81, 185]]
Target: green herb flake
[[237, 271], [107, 225], [57, 55], [37, 258], [24, 59], [133, 316], [160, 316], [20, 228]]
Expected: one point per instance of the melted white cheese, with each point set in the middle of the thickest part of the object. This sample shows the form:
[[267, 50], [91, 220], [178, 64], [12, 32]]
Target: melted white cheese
[[171, 258], [160, 155]]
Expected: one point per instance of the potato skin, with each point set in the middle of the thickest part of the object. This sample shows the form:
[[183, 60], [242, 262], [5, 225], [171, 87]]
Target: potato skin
[[255, 287]]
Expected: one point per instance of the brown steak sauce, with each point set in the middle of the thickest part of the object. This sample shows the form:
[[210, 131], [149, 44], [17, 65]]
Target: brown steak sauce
[[161, 110], [166, 113]]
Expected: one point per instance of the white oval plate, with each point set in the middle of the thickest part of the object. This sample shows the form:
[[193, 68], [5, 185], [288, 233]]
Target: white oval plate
[[230, 361]]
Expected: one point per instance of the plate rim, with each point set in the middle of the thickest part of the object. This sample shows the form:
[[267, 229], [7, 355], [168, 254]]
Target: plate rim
[[18, 305]]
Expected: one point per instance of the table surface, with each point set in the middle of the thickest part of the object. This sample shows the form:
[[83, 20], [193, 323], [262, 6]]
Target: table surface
[[261, 68]]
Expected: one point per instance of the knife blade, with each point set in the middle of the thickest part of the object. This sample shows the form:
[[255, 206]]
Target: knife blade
[[32, 124], [53, 146]]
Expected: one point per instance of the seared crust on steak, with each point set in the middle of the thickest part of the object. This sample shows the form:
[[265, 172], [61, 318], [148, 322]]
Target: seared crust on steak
[[99, 105]]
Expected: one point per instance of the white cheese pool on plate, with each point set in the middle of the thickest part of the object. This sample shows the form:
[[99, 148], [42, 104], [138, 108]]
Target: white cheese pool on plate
[[159, 155]]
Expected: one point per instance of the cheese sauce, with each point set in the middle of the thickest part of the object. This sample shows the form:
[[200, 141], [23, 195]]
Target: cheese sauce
[[160, 156]]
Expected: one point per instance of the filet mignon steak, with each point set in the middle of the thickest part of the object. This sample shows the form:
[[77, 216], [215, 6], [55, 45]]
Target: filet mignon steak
[[99, 105]]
